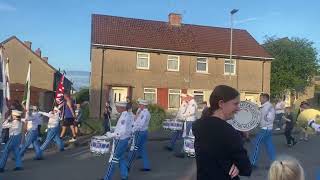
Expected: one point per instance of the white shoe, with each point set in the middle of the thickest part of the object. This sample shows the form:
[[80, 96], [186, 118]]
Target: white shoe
[[72, 140], [278, 129]]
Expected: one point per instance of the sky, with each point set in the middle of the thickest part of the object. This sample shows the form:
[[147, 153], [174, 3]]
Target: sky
[[62, 28]]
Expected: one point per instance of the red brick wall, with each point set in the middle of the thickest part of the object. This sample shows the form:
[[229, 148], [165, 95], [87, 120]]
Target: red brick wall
[[162, 97]]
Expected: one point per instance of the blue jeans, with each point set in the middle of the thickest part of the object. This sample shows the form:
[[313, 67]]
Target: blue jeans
[[265, 137], [53, 134], [12, 145], [31, 138], [141, 138], [118, 158]]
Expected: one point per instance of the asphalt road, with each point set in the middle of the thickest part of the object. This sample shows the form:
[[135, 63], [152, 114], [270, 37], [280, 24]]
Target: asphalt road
[[80, 164]]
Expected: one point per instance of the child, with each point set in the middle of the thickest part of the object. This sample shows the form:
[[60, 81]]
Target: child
[[288, 127], [15, 129], [78, 119], [286, 169]]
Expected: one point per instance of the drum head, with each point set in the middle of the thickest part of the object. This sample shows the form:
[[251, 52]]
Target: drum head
[[247, 118]]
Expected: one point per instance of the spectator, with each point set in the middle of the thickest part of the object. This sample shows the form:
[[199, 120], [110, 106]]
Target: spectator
[[107, 117], [129, 104], [205, 108], [280, 108], [288, 127], [69, 117], [219, 149], [78, 119], [286, 168]]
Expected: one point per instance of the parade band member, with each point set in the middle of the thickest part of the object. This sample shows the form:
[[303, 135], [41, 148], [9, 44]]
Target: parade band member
[[220, 154], [32, 120], [121, 135], [190, 117], [15, 130], [265, 133], [140, 129], [177, 134], [314, 125], [53, 132]]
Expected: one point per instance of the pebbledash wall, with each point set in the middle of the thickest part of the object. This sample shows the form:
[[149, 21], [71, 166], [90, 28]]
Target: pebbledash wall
[[120, 72]]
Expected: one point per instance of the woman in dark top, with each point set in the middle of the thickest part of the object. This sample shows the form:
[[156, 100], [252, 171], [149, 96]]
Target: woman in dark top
[[219, 148], [107, 117]]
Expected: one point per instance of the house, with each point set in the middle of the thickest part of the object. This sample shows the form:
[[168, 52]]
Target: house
[[160, 60], [18, 54]]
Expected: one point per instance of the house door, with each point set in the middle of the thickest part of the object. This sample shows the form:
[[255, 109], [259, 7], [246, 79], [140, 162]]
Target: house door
[[118, 94]]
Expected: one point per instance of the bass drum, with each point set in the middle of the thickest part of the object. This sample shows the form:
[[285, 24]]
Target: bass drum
[[247, 118]]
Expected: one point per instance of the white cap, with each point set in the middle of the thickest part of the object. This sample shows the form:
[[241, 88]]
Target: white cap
[[143, 102], [121, 104], [56, 108], [16, 113], [33, 107], [183, 95]]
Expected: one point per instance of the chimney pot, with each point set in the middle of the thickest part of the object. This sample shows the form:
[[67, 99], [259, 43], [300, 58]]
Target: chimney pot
[[175, 19], [28, 44], [38, 52], [45, 59]]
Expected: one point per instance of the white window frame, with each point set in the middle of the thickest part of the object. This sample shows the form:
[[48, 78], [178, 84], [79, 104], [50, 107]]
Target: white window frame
[[200, 71], [169, 98], [169, 58], [146, 68], [229, 63], [196, 92], [155, 92]]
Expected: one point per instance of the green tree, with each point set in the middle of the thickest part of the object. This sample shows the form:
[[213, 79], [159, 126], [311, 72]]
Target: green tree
[[294, 66], [82, 95]]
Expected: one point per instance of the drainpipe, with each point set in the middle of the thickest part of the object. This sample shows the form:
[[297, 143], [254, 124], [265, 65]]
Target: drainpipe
[[101, 83], [262, 76]]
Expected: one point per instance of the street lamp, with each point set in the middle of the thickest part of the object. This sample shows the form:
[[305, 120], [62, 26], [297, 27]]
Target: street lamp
[[231, 26]]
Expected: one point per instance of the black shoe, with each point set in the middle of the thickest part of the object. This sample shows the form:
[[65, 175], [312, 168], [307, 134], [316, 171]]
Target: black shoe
[[294, 142], [168, 148], [145, 169], [1, 170], [18, 169], [38, 158]]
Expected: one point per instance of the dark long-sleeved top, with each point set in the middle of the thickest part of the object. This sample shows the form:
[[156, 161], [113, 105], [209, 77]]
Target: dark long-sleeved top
[[218, 145]]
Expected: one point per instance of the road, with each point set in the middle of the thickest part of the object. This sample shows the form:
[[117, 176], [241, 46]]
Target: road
[[80, 164]]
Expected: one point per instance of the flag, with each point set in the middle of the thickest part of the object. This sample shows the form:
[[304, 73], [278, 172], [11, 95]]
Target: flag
[[60, 92], [26, 96]]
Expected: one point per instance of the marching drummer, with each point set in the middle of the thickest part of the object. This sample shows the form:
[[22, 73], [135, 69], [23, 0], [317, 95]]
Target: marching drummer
[[140, 130], [15, 130], [180, 116], [121, 135], [190, 117], [53, 131]]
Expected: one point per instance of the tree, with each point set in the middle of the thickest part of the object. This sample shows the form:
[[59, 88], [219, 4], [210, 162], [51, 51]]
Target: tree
[[294, 66], [82, 95]]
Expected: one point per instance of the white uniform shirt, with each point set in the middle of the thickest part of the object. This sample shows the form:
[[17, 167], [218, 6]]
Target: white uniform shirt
[[182, 110], [280, 106], [142, 120], [15, 127], [53, 119], [191, 110], [33, 121], [267, 116], [123, 128]]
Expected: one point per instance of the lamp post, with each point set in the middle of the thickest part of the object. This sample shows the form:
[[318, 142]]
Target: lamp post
[[231, 28]]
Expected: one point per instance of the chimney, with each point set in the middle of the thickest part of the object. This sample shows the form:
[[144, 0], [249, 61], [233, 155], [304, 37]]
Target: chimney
[[175, 19], [38, 52], [45, 59], [28, 44]]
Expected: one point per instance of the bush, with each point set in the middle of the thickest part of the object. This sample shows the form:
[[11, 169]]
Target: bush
[[158, 115], [82, 95]]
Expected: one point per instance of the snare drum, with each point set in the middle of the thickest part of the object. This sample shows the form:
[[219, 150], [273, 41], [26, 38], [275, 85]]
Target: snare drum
[[100, 145], [176, 125], [166, 124], [188, 145]]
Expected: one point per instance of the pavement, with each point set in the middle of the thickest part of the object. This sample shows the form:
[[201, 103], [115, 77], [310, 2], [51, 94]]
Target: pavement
[[79, 164]]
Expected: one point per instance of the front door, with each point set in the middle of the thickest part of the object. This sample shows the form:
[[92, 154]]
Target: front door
[[118, 94]]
